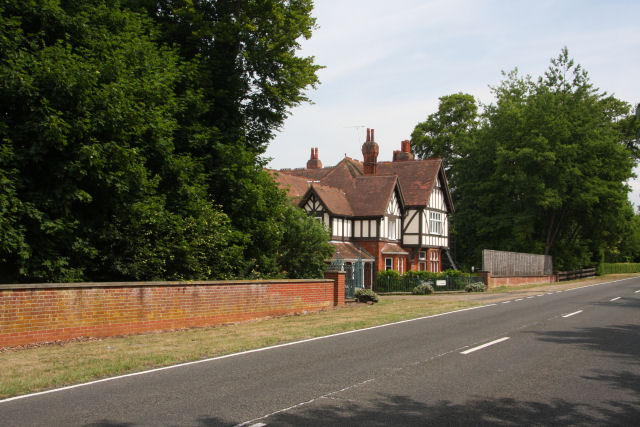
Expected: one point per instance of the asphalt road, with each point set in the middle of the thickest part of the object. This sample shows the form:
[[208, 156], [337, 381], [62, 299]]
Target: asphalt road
[[567, 357]]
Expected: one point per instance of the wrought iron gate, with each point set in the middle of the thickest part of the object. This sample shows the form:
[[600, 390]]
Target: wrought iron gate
[[353, 278]]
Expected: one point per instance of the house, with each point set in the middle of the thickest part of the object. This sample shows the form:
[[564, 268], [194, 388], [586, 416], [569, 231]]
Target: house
[[392, 215]]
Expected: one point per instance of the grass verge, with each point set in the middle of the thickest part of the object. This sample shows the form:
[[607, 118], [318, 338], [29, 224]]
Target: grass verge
[[28, 370]]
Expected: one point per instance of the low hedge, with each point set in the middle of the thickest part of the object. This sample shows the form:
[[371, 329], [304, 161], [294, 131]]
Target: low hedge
[[618, 267]]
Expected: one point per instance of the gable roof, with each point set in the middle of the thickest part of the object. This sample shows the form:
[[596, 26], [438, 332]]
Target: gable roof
[[368, 195], [364, 196], [334, 199], [417, 177]]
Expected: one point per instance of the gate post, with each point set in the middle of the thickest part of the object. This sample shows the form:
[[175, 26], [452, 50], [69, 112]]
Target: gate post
[[338, 285]]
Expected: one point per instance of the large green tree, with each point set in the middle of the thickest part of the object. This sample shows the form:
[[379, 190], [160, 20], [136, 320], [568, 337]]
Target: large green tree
[[245, 75], [446, 132], [545, 170], [94, 186], [131, 138]]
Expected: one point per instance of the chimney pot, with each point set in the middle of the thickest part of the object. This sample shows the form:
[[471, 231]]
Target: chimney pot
[[314, 162]]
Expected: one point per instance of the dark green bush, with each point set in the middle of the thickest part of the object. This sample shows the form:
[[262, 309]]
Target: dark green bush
[[475, 287], [388, 274], [423, 289], [366, 295]]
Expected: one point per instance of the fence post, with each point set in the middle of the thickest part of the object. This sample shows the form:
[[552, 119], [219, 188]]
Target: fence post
[[338, 278], [486, 277]]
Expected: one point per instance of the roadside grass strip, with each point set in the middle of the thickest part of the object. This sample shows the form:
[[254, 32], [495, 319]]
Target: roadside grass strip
[[480, 347], [572, 314], [53, 367], [265, 327]]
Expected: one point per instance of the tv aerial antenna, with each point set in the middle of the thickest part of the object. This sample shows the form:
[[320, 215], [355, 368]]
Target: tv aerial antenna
[[357, 129]]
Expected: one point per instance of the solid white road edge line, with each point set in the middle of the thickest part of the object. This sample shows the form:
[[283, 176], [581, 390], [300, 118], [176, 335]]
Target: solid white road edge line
[[164, 368], [572, 314], [226, 356], [480, 347]]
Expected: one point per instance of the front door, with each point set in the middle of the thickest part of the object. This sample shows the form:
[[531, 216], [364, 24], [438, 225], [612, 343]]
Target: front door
[[367, 275]]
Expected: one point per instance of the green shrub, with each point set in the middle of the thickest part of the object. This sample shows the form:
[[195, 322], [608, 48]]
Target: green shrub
[[388, 274], [366, 295], [475, 287], [424, 275], [423, 289], [455, 273], [618, 267]]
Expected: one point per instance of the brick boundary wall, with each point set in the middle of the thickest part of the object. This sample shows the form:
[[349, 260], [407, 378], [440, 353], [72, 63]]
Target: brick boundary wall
[[497, 281], [36, 313]]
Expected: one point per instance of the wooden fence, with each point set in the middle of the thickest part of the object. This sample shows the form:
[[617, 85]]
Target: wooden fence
[[576, 274], [510, 264]]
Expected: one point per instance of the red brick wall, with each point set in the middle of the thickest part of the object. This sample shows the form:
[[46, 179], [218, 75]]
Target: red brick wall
[[49, 312], [495, 282], [338, 278]]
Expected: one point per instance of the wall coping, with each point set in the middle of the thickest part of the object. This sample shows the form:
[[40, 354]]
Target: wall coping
[[74, 285]]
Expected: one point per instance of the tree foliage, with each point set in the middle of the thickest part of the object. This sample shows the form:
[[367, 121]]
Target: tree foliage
[[545, 170], [445, 133], [131, 135]]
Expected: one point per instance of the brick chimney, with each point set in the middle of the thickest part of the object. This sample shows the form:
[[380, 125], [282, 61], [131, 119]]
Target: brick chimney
[[370, 152], [314, 162], [404, 153]]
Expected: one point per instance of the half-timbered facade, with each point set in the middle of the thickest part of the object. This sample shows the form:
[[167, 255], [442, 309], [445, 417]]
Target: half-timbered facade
[[394, 215]]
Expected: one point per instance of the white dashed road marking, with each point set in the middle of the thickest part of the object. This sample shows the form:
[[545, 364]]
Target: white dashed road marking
[[480, 347], [573, 314], [615, 299]]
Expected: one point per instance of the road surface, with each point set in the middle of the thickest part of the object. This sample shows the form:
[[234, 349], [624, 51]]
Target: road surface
[[563, 357]]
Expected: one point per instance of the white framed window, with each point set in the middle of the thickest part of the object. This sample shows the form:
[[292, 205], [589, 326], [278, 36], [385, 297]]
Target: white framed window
[[392, 229], [434, 260], [422, 266], [422, 255], [388, 263], [435, 223]]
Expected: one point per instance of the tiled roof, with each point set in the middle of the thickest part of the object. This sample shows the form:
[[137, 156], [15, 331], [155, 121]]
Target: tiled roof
[[295, 186], [349, 192], [416, 178], [334, 199], [370, 194], [350, 251], [393, 249]]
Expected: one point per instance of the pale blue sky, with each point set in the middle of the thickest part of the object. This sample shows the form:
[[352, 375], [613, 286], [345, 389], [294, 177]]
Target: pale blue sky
[[388, 62]]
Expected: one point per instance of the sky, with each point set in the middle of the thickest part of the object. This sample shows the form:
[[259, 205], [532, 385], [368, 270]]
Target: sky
[[388, 62]]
